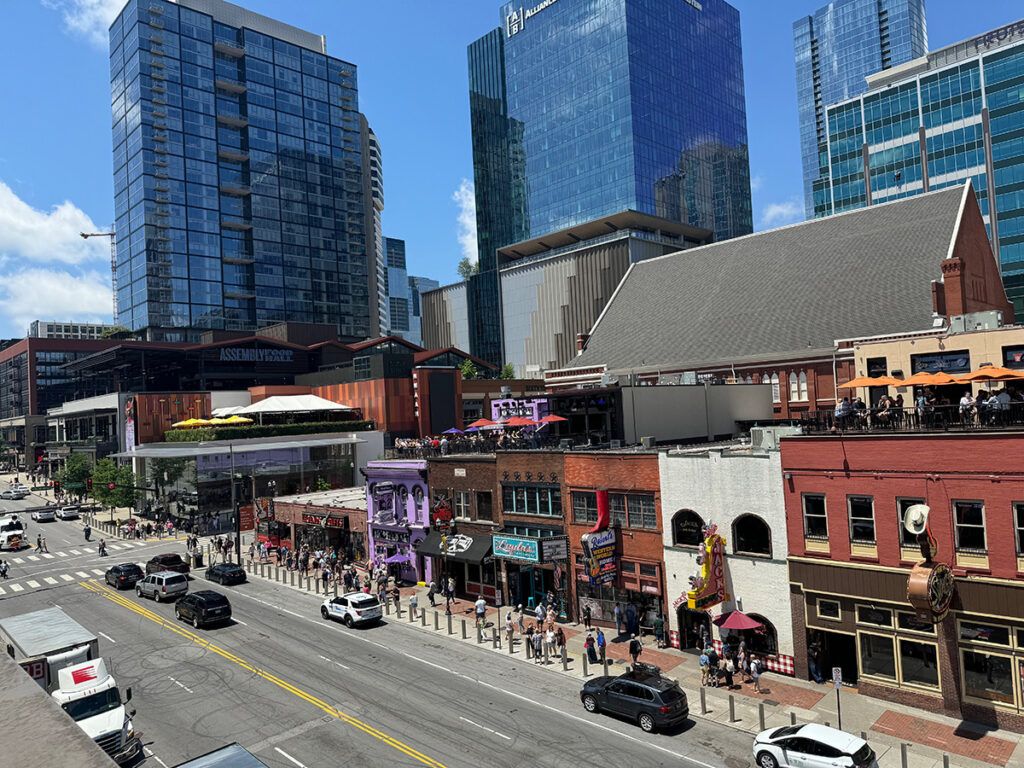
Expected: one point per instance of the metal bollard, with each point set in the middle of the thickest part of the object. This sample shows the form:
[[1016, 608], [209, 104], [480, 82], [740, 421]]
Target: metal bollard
[[450, 630], [263, 570], [604, 663], [565, 660], [465, 634], [945, 760], [437, 619], [703, 701], [335, 588], [529, 647], [545, 654], [293, 578], [387, 607], [479, 635], [586, 673], [732, 708], [760, 715], [904, 757], [512, 642], [495, 639], [792, 718]]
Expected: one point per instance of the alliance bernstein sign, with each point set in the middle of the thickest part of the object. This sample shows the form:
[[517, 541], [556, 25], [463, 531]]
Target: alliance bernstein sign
[[516, 17]]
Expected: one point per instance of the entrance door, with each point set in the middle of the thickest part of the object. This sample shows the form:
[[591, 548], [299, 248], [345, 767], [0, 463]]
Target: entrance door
[[838, 650], [690, 623]]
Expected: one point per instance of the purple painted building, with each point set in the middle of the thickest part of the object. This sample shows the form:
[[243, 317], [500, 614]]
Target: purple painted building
[[398, 516], [534, 408]]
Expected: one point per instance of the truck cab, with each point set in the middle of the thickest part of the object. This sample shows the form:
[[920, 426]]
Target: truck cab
[[89, 694], [12, 533]]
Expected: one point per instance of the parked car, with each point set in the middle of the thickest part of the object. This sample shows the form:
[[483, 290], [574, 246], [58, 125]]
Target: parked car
[[642, 695], [44, 515], [165, 585], [123, 575], [203, 608], [226, 573], [67, 513], [352, 608], [811, 746], [167, 562]]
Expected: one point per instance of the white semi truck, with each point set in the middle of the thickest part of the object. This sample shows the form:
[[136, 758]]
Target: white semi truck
[[63, 657]]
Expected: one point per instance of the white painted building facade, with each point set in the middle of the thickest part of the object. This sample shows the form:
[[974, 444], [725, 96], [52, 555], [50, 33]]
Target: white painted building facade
[[740, 490]]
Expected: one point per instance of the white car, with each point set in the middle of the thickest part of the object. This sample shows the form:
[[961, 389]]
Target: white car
[[811, 746], [67, 513], [44, 515], [14, 494], [352, 608]]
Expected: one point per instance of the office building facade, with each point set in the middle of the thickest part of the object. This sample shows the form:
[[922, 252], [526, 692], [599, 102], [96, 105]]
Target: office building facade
[[582, 110], [373, 199], [237, 173], [396, 287], [956, 114], [417, 287], [836, 48], [67, 329]]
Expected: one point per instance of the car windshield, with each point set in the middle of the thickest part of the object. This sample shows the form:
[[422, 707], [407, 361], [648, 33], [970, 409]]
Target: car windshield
[[863, 757], [97, 704], [787, 730], [12, 526], [214, 601], [672, 695]]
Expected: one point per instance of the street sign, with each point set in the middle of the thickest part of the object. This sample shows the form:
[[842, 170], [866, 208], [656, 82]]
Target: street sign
[[74, 486], [837, 680], [837, 676]]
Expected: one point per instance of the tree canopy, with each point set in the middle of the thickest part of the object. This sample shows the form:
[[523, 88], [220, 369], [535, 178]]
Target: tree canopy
[[108, 473]]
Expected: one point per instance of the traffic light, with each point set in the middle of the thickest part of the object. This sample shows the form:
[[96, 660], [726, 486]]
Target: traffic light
[[88, 483], [111, 486]]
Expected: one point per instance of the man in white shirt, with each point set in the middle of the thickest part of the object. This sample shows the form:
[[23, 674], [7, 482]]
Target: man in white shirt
[[481, 610]]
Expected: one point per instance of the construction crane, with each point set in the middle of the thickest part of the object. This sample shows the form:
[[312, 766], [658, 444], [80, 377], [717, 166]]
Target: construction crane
[[113, 259]]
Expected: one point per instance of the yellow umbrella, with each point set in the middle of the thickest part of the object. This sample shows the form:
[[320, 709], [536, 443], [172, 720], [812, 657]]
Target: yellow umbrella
[[189, 423], [239, 420]]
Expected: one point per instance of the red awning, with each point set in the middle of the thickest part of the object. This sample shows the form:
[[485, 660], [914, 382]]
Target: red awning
[[737, 620]]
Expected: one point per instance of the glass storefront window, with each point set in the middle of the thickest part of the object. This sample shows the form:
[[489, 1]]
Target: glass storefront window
[[987, 676], [877, 655], [911, 623], [869, 614], [984, 633], [919, 663], [828, 609]]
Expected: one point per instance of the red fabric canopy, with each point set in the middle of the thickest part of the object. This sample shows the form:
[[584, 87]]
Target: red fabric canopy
[[737, 620], [520, 421], [552, 418], [482, 423]]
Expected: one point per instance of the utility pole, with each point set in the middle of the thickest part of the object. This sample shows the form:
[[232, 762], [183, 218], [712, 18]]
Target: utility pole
[[113, 259]]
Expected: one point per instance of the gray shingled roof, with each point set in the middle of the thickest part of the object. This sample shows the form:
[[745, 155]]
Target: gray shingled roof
[[801, 287]]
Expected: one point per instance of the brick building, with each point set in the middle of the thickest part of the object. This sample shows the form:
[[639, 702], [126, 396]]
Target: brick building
[[632, 480], [850, 558]]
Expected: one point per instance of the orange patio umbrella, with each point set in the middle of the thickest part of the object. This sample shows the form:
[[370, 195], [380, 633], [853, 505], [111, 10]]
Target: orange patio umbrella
[[868, 381], [924, 378], [991, 373]]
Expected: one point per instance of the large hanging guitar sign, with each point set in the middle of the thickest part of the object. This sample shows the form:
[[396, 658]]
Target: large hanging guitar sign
[[930, 585]]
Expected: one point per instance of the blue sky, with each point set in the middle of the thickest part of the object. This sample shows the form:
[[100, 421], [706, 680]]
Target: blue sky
[[55, 161]]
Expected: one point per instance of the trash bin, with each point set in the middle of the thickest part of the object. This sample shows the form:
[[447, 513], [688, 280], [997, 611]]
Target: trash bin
[[197, 559]]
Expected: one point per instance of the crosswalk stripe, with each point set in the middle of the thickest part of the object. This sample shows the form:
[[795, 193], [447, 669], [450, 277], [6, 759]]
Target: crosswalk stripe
[[3, 591], [126, 545], [16, 588], [33, 558], [50, 580], [98, 572], [113, 546], [75, 552], [82, 574], [33, 584], [18, 560], [67, 577], [62, 554], [47, 556]]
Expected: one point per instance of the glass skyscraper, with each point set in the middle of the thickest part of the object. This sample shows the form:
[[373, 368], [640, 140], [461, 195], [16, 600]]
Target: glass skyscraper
[[237, 173], [585, 108], [836, 49], [957, 115]]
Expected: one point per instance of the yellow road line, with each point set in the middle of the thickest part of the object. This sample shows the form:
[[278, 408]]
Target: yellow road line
[[119, 599]]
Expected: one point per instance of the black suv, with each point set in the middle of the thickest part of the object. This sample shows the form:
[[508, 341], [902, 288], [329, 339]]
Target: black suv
[[641, 695], [226, 573], [202, 608], [123, 576], [169, 562]]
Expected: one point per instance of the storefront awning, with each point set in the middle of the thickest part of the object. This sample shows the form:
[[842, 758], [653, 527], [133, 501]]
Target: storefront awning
[[462, 548]]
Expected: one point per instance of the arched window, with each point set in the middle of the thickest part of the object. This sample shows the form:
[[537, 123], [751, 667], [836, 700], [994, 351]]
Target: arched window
[[776, 394], [687, 528], [794, 389], [764, 640], [803, 386], [751, 536]]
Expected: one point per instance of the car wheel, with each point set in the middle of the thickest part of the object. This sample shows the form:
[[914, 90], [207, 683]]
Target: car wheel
[[767, 760], [177, 614], [324, 613], [348, 621], [195, 622], [156, 597], [646, 723], [138, 591], [590, 703]]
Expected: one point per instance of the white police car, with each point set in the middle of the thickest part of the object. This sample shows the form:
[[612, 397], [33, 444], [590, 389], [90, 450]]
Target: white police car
[[352, 608]]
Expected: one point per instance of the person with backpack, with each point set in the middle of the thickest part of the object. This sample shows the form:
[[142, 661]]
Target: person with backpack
[[755, 673], [635, 649]]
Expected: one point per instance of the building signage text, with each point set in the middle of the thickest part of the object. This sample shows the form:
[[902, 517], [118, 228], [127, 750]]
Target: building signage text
[[246, 355], [599, 556], [324, 521], [554, 548], [1000, 35], [695, 4], [516, 548], [395, 537], [516, 17], [708, 585]]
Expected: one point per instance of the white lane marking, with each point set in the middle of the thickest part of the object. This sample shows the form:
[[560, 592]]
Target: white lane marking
[[98, 572], [75, 552], [520, 697], [113, 546], [239, 621], [18, 560], [33, 558], [159, 760], [67, 577], [33, 584], [82, 574], [286, 756], [108, 637], [47, 556], [485, 728], [49, 580], [62, 554], [3, 591], [16, 588], [126, 545], [335, 663], [180, 685]]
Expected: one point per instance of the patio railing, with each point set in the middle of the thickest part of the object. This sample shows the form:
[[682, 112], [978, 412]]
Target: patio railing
[[939, 418]]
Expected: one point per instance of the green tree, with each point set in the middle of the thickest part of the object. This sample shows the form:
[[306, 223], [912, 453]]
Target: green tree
[[114, 331], [469, 369], [508, 372], [106, 474], [322, 484], [467, 268], [164, 473], [77, 469]]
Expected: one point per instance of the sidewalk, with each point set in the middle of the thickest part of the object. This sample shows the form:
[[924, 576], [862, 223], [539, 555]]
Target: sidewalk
[[783, 700]]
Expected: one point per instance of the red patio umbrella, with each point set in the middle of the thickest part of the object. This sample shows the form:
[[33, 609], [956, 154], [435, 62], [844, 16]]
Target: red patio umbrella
[[482, 423], [520, 421], [552, 419], [736, 620]]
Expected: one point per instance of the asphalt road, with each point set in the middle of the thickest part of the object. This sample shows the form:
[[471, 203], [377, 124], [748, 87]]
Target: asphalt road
[[298, 691]]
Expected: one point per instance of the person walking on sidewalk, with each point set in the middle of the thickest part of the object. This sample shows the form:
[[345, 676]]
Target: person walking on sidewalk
[[659, 630], [432, 595], [618, 619], [590, 647], [559, 641], [538, 613], [325, 577], [538, 647], [705, 668], [586, 615], [755, 673], [414, 604], [635, 649], [396, 598], [510, 629], [601, 643], [480, 608], [45, 548], [521, 620]]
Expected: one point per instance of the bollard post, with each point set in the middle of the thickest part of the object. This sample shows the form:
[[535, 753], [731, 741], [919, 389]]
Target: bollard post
[[546, 654], [495, 640], [792, 718], [263, 570], [584, 657], [604, 663], [529, 647], [335, 588], [450, 631], [423, 617], [437, 620], [465, 634], [565, 660], [479, 635], [732, 708], [703, 701], [760, 715], [945, 760], [387, 607], [293, 578], [512, 642], [903, 754]]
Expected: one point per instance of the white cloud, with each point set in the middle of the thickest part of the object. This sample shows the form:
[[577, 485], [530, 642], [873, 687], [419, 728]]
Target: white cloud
[[29, 234], [756, 182], [89, 18], [52, 294], [465, 198], [786, 212]]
